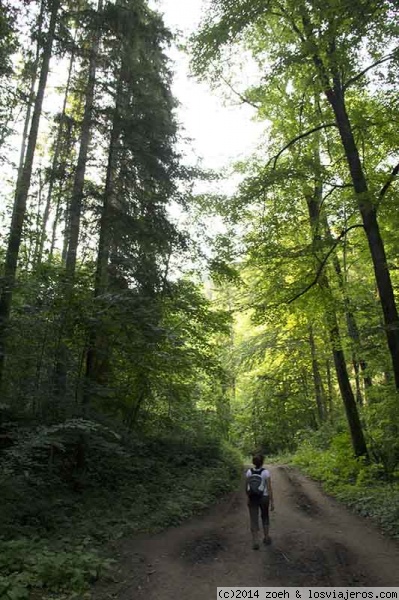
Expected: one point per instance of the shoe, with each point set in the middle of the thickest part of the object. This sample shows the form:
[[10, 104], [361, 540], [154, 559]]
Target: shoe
[[255, 546], [267, 540]]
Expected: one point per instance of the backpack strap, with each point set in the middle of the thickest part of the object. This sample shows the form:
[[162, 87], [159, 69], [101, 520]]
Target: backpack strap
[[257, 471]]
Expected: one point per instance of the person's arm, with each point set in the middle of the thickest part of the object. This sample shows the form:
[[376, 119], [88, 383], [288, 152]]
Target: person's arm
[[247, 475], [270, 490]]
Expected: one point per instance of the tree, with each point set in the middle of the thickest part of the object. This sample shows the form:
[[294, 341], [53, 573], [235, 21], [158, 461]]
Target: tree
[[22, 190], [141, 171], [320, 45], [75, 205], [314, 203], [32, 67], [8, 45], [57, 152]]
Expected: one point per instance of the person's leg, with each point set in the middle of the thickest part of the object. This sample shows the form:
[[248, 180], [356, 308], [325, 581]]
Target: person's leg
[[264, 511], [253, 506]]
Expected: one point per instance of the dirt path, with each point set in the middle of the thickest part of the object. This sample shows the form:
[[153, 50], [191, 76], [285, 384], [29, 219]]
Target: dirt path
[[316, 542]]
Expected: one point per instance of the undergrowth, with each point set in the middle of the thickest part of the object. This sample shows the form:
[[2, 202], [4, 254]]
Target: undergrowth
[[70, 488], [363, 485]]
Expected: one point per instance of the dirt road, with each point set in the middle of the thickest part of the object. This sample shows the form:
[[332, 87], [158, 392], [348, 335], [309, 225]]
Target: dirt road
[[315, 542]]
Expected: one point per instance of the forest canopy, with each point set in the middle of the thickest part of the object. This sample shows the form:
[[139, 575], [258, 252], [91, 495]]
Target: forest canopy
[[319, 257], [125, 335]]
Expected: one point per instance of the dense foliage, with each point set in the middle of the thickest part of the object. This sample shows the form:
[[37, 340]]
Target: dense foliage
[[112, 382], [116, 362], [54, 542], [95, 313], [316, 213], [365, 487], [316, 330]]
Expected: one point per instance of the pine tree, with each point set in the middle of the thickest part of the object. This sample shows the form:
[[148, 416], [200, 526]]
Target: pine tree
[[139, 182]]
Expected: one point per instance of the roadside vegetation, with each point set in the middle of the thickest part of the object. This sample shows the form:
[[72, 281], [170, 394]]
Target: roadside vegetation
[[316, 336], [142, 353], [369, 487], [57, 520]]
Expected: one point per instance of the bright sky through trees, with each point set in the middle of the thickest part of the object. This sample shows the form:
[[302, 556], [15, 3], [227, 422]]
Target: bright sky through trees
[[221, 131]]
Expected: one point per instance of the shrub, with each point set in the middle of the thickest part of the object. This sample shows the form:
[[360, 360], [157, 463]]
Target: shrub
[[118, 481], [28, 566], [362, 485]]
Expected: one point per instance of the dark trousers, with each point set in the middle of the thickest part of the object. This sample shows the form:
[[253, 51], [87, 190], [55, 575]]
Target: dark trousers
[[256, 506]]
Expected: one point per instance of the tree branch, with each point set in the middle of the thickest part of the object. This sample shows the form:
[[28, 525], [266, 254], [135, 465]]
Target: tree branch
[[296, 139], [385, 187], [323, 262], [292, 22], [362, 73], [332, 190], [241, 97]]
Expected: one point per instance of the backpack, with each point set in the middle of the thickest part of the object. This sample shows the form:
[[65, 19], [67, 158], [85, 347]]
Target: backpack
[[255, 485]]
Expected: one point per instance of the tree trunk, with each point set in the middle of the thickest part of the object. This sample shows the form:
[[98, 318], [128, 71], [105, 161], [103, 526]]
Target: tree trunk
[[57, 150], [355, 427], [356, 370], [368, 212], [39, 224], [22, 191], [136, 406], [98, 347], [31, 98], [352, 415], [62, 192], [330, 395], [318, 383], [75, 206], [353, 329]]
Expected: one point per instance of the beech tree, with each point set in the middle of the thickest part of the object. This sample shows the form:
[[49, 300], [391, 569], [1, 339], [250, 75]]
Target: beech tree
[[332, 47], [290, 206]]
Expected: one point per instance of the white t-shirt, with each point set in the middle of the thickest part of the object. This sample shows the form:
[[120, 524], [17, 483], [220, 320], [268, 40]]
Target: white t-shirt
[[265, 475]]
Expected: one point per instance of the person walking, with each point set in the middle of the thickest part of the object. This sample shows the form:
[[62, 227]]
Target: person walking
[[259, 491]]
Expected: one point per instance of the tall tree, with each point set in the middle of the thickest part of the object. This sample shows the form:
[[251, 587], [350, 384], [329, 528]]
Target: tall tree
[[322, 45], [55, 163], [22, 190], [75, 205], [314, 202], [32, 66], [8, 45], [141, 169], [317, 379]]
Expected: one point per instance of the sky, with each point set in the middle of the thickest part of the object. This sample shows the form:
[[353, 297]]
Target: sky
[[221, 131], [221, 128]]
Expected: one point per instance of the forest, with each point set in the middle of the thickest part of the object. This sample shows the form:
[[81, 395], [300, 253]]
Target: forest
[[140, 349]]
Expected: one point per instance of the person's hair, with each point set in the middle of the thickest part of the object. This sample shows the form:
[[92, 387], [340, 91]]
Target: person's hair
[[258, 459]]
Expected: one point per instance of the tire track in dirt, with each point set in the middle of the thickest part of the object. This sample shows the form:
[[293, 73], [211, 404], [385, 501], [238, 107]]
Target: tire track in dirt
[[316, 542], [300, 498]]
